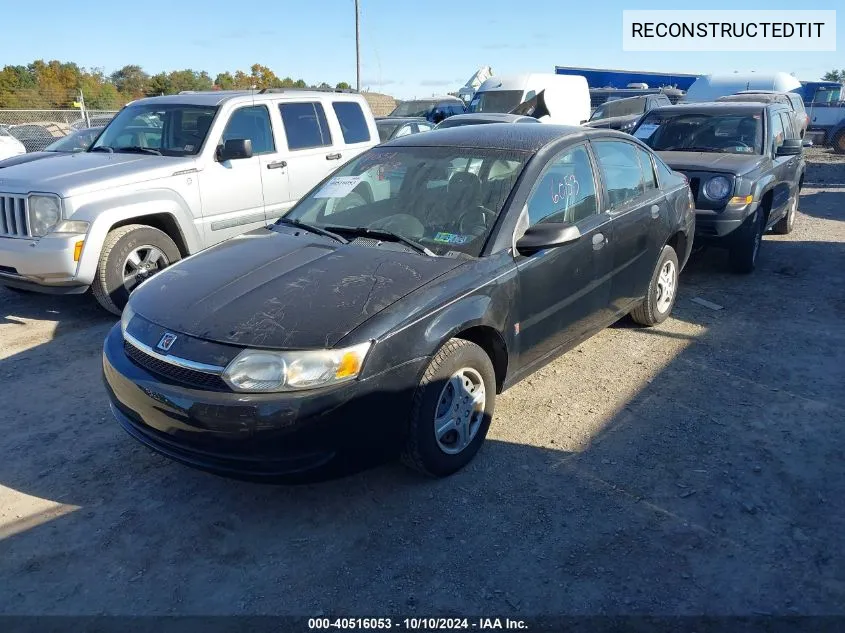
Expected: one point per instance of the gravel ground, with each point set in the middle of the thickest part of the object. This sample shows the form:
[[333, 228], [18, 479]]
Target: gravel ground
[[693, 468]]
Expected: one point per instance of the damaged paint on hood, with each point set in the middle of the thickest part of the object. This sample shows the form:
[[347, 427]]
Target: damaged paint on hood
[[273, 289]]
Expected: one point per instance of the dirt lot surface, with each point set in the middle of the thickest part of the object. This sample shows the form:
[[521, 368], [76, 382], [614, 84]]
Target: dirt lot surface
[[693, 468]]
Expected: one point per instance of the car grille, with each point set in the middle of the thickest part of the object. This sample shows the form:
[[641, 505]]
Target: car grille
[[174, 373], [13, 216]]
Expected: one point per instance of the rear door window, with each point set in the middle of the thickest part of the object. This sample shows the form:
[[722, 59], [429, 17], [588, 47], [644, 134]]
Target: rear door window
[[352, 121], [622, 172], [786, 121], [305, 125], [649, 179], [777, 131]]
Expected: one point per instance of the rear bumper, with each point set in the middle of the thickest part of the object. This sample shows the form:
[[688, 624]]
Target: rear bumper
[[258, 436], [41, 265]]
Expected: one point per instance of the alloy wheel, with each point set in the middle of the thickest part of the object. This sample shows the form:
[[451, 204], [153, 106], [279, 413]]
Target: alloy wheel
[[667, 281], [142, 263]]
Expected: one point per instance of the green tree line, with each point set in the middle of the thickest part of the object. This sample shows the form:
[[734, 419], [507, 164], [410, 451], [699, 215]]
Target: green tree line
[[835, 75], [56, 85]]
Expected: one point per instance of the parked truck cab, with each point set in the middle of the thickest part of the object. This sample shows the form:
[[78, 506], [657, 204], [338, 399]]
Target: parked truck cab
[[168, 177], [566, 97]]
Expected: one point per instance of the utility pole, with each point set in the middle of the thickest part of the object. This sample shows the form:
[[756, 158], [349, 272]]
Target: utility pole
[[357, 48]]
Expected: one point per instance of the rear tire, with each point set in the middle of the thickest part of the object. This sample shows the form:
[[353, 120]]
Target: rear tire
[[444, 396], [747, 240], [785, 225], [662, 291], [116, 278]]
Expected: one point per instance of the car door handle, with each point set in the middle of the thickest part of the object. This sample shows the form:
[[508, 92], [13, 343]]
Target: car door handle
[[655, 211], [277, 165], [599, 240], [333, 156]]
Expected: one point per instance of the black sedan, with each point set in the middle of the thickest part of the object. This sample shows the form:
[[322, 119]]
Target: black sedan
[[393, 319], [76, 141]]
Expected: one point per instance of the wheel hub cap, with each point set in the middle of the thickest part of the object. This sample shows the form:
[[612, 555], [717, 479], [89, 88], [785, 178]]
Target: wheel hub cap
[[460, 411], [142, 263], [666, 284]]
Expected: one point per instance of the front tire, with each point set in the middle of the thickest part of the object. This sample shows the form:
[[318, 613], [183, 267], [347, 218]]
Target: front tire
[[130, 255], [662, 290], [452, 410], [785, 225], [746, 244]]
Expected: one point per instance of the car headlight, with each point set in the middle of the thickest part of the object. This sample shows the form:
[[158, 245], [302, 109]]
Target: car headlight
[[717, 188], [126, 317], [44, 214], [268, 371]]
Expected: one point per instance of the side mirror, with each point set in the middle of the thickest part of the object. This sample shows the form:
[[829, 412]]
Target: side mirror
[[547, 235], [234, 148], [790, 147]]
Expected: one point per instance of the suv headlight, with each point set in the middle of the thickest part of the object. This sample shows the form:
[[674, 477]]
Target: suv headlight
[[717, 188], [268, 371], [45, 211]]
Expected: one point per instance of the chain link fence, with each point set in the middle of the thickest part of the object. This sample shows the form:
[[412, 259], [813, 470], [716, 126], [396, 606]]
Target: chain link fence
[[36, 129]]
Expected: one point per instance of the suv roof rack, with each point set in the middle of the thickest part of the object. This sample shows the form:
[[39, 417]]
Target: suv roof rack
[[264, 91]]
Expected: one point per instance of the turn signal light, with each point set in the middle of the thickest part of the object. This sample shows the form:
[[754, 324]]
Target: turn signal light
[[77, 250], [741, 200]]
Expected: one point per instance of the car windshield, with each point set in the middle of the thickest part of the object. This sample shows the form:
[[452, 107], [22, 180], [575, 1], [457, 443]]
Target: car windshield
[[75, 141], [620, 107], [165, 129], [495, 101], [386, 128], [446, 199], [413, 108], [702, 132]]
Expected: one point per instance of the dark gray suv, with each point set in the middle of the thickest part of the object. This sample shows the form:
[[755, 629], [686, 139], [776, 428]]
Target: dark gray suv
[[745, 166]]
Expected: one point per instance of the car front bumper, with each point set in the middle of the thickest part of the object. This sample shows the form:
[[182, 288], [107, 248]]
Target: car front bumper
[[718, 224], [259, 436], [42, 265]]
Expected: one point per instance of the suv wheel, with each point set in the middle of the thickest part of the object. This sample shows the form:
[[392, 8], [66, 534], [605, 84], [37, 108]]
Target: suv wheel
[[452, 409], [746, 244], [131, 254], [785, 225], [662, 291], [839, 143]]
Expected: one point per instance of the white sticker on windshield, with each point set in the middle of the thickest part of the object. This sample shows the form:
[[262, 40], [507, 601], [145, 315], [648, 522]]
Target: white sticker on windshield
[[646, 130], [338, 187]]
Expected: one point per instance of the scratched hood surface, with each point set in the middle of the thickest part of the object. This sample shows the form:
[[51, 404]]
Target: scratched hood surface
[[276, 290]]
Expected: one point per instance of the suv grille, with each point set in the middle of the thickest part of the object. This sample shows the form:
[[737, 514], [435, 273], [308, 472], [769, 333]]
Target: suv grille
[[13, 216], [175, 373]]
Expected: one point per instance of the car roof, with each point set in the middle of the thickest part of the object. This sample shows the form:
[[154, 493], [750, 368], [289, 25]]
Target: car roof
[[217, 97], [493, 117], [719, 106], [525, 138], [401, 119], [752, 97]]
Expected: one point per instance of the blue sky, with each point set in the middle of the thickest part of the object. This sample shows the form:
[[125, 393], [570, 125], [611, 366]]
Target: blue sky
[[407, 48]]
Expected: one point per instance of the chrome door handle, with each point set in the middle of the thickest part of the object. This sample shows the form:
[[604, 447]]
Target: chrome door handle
[[655, 211], [599, 241], [277, 165], [333, 156]]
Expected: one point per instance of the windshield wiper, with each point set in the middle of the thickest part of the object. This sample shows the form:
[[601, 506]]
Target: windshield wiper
[[313, 229], [384, 234], [135, 149], [102, 148]]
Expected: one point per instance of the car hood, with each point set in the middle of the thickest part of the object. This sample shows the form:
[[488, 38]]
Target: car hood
[[26, 158], [70, 174], [736, 164], [614, 122], [277, 290]]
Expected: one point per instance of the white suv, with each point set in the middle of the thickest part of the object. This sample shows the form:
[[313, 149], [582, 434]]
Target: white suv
[[170, 176]]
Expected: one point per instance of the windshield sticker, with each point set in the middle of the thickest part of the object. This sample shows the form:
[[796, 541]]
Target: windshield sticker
[[339, 187], [646, 130], [452, 238]]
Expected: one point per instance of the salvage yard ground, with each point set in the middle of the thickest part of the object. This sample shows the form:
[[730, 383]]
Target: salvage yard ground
[[693, 468]]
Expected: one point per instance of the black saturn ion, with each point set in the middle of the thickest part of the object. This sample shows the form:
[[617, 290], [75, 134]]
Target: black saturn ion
[[395, 300]]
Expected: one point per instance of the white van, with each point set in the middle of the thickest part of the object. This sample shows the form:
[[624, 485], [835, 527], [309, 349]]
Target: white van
[[567, 97], [711, 87]]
